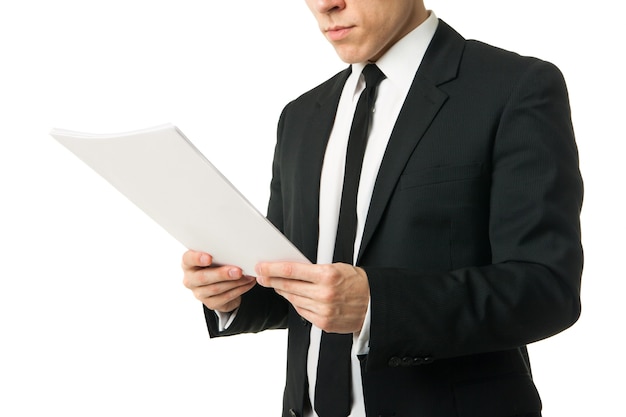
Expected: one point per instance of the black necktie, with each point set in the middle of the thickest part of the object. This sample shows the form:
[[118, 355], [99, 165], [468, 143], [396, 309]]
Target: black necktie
[[333, 387]]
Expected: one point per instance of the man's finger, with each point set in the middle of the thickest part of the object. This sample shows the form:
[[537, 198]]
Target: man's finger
[[287, 285], [194, 259], [291, 270]]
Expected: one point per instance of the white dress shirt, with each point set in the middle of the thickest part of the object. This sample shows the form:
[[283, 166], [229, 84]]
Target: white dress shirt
[[399, 65]]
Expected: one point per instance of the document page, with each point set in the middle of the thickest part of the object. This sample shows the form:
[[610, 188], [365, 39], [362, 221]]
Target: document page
[[168, 178]]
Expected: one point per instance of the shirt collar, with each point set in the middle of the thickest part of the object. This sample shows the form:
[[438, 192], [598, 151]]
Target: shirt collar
[[401, 61]]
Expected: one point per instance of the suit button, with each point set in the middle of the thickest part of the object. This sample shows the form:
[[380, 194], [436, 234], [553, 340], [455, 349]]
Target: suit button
[[293, 413], [394, 362], [406, 361], [426, 360]]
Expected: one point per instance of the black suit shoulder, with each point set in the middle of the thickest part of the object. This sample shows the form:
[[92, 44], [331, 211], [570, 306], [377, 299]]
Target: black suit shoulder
[[320, 92]]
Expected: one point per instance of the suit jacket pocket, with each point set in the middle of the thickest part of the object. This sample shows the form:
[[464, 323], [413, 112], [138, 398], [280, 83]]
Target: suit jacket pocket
[[441, 174], [508, 395]]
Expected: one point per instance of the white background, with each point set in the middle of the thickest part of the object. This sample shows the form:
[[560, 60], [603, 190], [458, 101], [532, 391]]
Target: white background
[[94, 320]]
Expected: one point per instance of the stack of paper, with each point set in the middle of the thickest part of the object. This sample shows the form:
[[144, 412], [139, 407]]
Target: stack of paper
[[164, 174]]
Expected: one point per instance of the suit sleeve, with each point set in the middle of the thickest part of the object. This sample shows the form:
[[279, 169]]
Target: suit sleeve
[[530, 290], [261, 308]]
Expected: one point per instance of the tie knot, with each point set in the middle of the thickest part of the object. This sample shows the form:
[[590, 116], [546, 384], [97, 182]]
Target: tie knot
[[373, 75]]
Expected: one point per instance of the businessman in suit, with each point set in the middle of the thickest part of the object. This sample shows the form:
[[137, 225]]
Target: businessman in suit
[[467, 245]]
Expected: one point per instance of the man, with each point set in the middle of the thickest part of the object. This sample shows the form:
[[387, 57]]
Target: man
[[467, 244]]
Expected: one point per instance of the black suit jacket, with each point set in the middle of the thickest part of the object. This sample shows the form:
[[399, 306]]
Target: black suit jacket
[[472, 241]]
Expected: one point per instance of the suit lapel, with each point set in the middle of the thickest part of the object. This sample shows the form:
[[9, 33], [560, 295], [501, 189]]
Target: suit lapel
[[313, 147], [423, 102]]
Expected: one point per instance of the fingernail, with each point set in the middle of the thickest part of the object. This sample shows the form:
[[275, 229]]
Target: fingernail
[[204, 259], [234, 273]]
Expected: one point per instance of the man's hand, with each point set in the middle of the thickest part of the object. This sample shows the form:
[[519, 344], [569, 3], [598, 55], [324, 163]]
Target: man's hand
[[332, 297], [218, 287]]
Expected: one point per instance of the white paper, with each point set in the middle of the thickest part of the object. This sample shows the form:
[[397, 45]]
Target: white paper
[[164, 174]]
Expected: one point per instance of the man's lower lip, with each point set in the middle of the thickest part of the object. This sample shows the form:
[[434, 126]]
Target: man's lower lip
[[338, 34]]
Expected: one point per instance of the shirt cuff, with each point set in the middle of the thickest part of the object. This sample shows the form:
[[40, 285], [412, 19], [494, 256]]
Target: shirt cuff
[[361, 339], [225, 319]]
